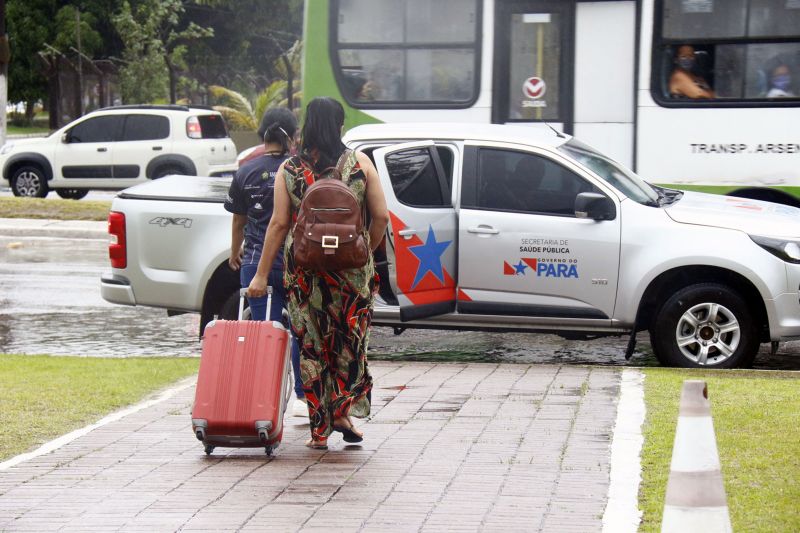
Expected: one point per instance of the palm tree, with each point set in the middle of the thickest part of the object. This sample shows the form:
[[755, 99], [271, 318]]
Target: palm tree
[[241, 114]]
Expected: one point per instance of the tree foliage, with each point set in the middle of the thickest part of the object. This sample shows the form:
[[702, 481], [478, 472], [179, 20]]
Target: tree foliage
[[155, 48], [249, 36], [162, 48], [29, 23]]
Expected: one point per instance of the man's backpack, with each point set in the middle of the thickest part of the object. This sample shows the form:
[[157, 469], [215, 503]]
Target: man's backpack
[[329, 232]]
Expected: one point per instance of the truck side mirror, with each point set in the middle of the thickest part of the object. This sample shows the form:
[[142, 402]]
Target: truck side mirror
[[65, 137], [595, 206]]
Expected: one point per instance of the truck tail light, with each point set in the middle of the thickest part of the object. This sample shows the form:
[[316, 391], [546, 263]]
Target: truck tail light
[[117, 250], [193, 129]]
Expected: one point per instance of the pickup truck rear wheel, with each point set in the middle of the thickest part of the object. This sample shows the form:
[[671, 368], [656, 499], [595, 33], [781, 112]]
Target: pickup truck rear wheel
[[230, 309], [705, 325]]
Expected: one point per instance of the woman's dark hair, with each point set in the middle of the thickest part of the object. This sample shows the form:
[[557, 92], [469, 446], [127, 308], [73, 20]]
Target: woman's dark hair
[[322, 131], [278, 125]]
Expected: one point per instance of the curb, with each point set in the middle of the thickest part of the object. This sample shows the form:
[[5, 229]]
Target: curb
[[622, 513], [695, 498], [63, 229]]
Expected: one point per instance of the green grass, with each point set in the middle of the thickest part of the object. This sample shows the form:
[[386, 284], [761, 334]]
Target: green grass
[[757, 424], [43, 397], [27, 130], [55, 209]]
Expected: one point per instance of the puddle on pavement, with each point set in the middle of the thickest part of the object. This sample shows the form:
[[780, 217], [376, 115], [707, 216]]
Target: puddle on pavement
[[50, 303]]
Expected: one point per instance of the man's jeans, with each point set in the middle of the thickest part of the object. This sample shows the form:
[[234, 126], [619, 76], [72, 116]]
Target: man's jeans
[[258, 311]]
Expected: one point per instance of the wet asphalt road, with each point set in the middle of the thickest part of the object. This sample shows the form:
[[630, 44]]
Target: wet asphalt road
[[50, 304]]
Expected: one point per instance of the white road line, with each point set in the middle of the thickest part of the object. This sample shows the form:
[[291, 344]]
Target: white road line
[[622, 510], [113, 417]]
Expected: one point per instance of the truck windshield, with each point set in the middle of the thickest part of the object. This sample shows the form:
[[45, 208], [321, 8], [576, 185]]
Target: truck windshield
[[616, 175]]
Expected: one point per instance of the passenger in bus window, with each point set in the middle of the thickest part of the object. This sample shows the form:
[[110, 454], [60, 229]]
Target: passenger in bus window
[[368, 91], [683, 82], [780, 83]]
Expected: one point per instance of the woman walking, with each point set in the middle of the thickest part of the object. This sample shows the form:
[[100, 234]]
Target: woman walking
[[330, 311]]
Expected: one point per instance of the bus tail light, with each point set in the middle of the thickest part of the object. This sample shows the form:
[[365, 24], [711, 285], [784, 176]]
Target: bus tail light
[[117, 250]]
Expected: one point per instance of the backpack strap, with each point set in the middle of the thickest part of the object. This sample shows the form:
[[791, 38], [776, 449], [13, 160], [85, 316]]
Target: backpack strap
[[344, 166]]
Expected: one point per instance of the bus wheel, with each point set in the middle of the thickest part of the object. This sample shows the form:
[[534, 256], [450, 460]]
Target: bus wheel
[[705, 325]]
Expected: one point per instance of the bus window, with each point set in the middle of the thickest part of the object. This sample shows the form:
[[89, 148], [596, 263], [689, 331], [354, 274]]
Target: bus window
[[735, 56], [398, 53]]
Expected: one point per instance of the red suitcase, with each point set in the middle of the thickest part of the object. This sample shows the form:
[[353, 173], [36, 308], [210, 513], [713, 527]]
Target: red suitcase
[[243, 385]]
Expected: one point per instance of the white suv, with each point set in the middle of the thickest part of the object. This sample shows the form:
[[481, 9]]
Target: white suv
[[116, 147]]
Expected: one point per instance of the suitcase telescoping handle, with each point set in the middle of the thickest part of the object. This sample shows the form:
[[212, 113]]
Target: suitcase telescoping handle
[[243, 294]]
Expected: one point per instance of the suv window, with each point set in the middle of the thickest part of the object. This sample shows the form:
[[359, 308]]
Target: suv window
[[528, 183], [212, 127], [145, 128], [415, 180], [96, 130]]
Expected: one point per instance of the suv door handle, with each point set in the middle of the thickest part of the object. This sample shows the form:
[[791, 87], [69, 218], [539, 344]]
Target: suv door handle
[[407, 233], [484, 230], [102, 149], [157, 148]]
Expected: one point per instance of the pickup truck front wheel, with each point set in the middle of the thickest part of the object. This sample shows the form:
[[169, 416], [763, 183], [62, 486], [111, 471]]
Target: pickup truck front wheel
[[705, 325]]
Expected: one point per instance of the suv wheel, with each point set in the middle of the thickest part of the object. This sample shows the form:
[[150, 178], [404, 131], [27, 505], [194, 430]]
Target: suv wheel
[[705, 325], [166, 171], [72, 194], [29, 181]]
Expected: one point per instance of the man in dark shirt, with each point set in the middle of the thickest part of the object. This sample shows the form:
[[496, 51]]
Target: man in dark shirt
[[250, 199]]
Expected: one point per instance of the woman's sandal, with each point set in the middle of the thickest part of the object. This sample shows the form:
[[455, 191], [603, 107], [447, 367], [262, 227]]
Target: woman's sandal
[[317, 444], [348, 435]]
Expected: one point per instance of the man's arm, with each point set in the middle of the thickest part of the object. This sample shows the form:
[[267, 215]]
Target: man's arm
[[237, 238], [681, 84]]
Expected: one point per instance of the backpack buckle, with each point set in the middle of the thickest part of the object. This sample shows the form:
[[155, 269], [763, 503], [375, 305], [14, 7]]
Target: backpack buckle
[[330, 241]]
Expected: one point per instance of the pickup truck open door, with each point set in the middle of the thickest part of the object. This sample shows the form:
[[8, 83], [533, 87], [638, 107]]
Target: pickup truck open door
[[421, 245]]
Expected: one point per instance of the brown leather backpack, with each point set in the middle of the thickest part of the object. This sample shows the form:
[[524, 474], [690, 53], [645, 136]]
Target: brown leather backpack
[[329, 232]]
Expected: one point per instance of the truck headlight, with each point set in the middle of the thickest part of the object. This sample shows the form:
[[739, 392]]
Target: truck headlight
[[6, 148], [786, 249]]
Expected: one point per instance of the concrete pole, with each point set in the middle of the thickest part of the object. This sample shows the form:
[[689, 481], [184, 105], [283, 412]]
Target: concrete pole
[[4, 57], [80, 64]]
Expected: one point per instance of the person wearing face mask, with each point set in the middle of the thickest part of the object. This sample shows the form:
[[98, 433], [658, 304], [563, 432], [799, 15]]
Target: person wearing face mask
[[780, 83], [683, 81]]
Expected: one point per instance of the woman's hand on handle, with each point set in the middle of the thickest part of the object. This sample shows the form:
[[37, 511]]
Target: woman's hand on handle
[[258, 287]]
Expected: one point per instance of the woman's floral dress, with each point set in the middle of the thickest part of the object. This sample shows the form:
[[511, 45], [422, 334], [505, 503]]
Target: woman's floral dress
[[330, 314]]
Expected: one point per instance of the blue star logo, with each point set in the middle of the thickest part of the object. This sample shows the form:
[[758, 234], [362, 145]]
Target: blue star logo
[[520, 267], [429, 255]]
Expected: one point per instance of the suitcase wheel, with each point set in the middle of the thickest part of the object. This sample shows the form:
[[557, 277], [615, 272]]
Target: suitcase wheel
[[209, 449], [269, 450]]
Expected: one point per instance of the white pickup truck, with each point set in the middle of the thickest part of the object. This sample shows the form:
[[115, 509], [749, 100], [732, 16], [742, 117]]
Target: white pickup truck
[[507, 229]]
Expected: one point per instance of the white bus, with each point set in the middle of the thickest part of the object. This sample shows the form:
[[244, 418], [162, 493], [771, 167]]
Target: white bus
[[599, 70]]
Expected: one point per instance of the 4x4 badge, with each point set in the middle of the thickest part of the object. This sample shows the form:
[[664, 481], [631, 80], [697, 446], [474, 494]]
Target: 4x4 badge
[[170, 221]]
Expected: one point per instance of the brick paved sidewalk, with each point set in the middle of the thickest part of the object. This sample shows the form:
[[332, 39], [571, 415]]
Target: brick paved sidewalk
[[463, 447]]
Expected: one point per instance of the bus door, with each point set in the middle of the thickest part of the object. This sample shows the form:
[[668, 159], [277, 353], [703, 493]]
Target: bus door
[[533, 62], [421, 240]]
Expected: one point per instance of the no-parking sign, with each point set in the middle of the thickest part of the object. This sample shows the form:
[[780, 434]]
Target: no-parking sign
[[534, 87]]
